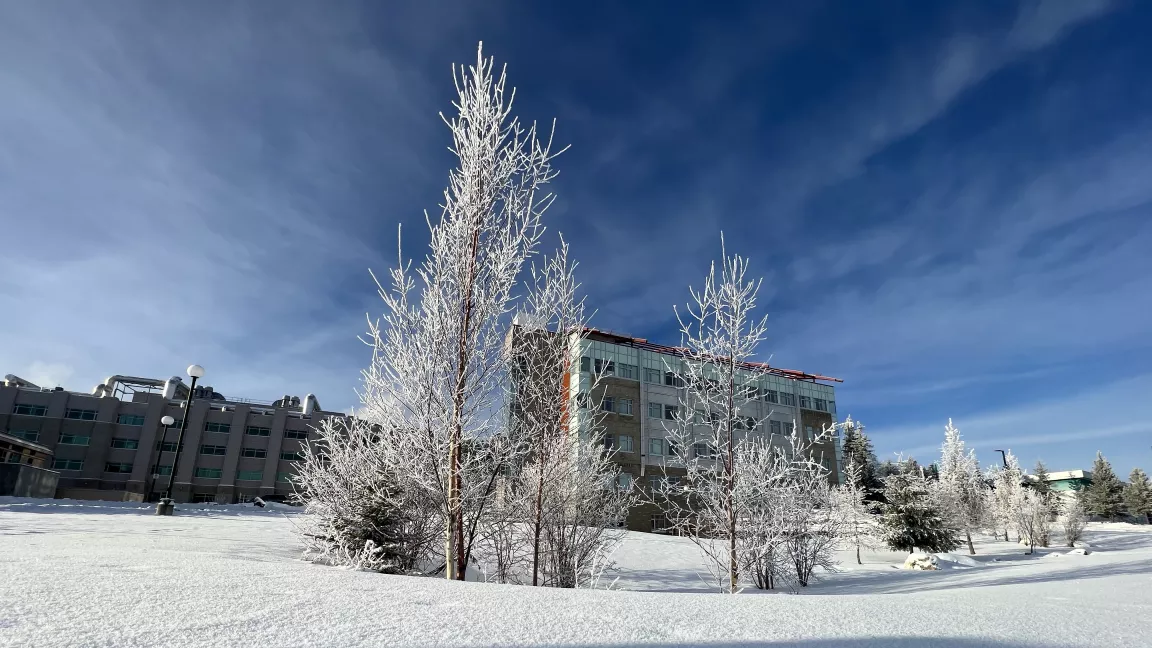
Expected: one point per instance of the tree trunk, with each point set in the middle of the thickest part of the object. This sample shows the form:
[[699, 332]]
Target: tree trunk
[[971, 549], [536, 531], [858, 561]]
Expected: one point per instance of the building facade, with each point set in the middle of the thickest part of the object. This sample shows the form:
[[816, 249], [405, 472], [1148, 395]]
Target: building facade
[[639, 391], [110, 444]]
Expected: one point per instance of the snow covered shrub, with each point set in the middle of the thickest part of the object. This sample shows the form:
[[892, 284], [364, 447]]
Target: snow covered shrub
[[357, 512], [1073, 521], [921, 562]]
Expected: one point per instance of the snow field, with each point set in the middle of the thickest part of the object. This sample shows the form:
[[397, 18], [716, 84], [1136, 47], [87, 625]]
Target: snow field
[[102, 574]]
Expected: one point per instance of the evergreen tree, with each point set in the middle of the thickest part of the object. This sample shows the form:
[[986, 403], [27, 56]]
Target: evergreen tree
[[911, 520], [1138, 495], [1045, 495], [1104, 496], [857, 449]]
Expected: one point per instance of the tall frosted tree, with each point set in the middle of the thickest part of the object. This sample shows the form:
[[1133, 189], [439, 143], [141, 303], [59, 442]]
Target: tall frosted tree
[[1043, 489], [439, 360], [1138, 495], [859, 526], [1007, 493], [911, 519], [1104, 496], [960, 489]]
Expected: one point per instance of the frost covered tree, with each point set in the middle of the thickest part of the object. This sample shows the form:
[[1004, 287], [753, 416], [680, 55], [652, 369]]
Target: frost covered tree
[[1043, 489], [1006, 494], [1104, 496], [1072, 521], [1033, 519], [857, 449], [719, 336], [1138, 495], [911, 519], [960, 489], [566, 482], [438, 359], [858, 523], [358, 511]]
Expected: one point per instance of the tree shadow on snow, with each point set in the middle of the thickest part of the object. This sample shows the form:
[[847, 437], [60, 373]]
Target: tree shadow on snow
[[855, 642]]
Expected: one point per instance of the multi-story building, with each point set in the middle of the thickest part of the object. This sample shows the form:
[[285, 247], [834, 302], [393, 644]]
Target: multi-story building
[[110, 444], [640, 388]]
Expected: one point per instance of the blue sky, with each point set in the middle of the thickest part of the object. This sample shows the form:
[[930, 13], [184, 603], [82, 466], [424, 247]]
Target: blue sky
[[949, 203]]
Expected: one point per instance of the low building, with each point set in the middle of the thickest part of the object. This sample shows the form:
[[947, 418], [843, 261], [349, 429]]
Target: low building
[[110, 443], [1065, 482]]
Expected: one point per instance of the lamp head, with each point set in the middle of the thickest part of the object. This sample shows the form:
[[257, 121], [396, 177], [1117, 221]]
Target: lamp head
[[196, 371], [167, 420]]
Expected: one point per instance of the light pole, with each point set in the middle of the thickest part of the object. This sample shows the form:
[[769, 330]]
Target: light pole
[[166, 506], [167, 422], [1003, 457]]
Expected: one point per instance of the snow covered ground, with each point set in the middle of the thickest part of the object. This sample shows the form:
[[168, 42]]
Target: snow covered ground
[[111, 574]]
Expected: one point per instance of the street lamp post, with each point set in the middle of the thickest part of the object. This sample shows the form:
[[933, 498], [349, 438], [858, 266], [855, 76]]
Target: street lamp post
[[167, 422], [166, 506], [1003, 457]]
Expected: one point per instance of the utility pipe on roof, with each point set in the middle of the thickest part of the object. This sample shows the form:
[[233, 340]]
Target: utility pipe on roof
[[12, 380]]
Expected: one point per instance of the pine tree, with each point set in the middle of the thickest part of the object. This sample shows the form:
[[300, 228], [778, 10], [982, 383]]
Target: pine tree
[[858, 450], [911, 520], [1138, 495], [959, 487], [1104, 496], [1044, 492]]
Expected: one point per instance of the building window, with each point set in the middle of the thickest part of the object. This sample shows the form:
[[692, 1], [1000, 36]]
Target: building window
[[806, 402], [582, 400], [821, 404], [787, 428], [606, 367], [158, 469], [67, 464], [624, 443], [624, 481], [253, 430], [809, 432], [30, 410], [671, 379], [74, 439], [256, 453], [291, 456], [217, 450], [130, 419], [27, 435], [832, 406], [624, 406], [787, 399], [673, 447], [704, 450], [771, 396], [631, 372], [203, 498], [660, 522], [606, 403], [655, 410], [250, 475], [127, 444], [774, 427], [209, 473], [670, 412], [122, 468], [656, 447], [653, 376], [210, 426], [585, 364], [295, 434], [80, 414], [283, 476], [168, 446]]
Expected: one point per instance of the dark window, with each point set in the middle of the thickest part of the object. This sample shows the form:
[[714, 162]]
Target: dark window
[[291, 456], [209, 473], [30, 410], [127, 444], [67, 464], [258, 453], [774, 427], [210, 426], [158, 469], [605, 367], [295, 434], [80, 414], [130, 419], [607, 403], [253, 430], [203, 498], [585, 364], [75, 439], [250, 475], [214, 450], [821, 404], [168, 446], [806, 402], [671, 379], [670, 412], [27, 435], [122, 468], [787, 399]]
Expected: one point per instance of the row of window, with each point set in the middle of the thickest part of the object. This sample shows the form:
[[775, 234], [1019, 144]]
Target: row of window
[[622, 406], [658, 447], [138, 419], [672, 379], [163, 470], [132, 444]]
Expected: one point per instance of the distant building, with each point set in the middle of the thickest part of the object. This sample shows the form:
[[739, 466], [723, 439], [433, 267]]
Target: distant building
[[110, 444], [1065, 482], [640, 390]]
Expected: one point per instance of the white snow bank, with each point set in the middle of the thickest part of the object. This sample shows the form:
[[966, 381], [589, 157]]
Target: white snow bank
[[921, 562], [953, 560]]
